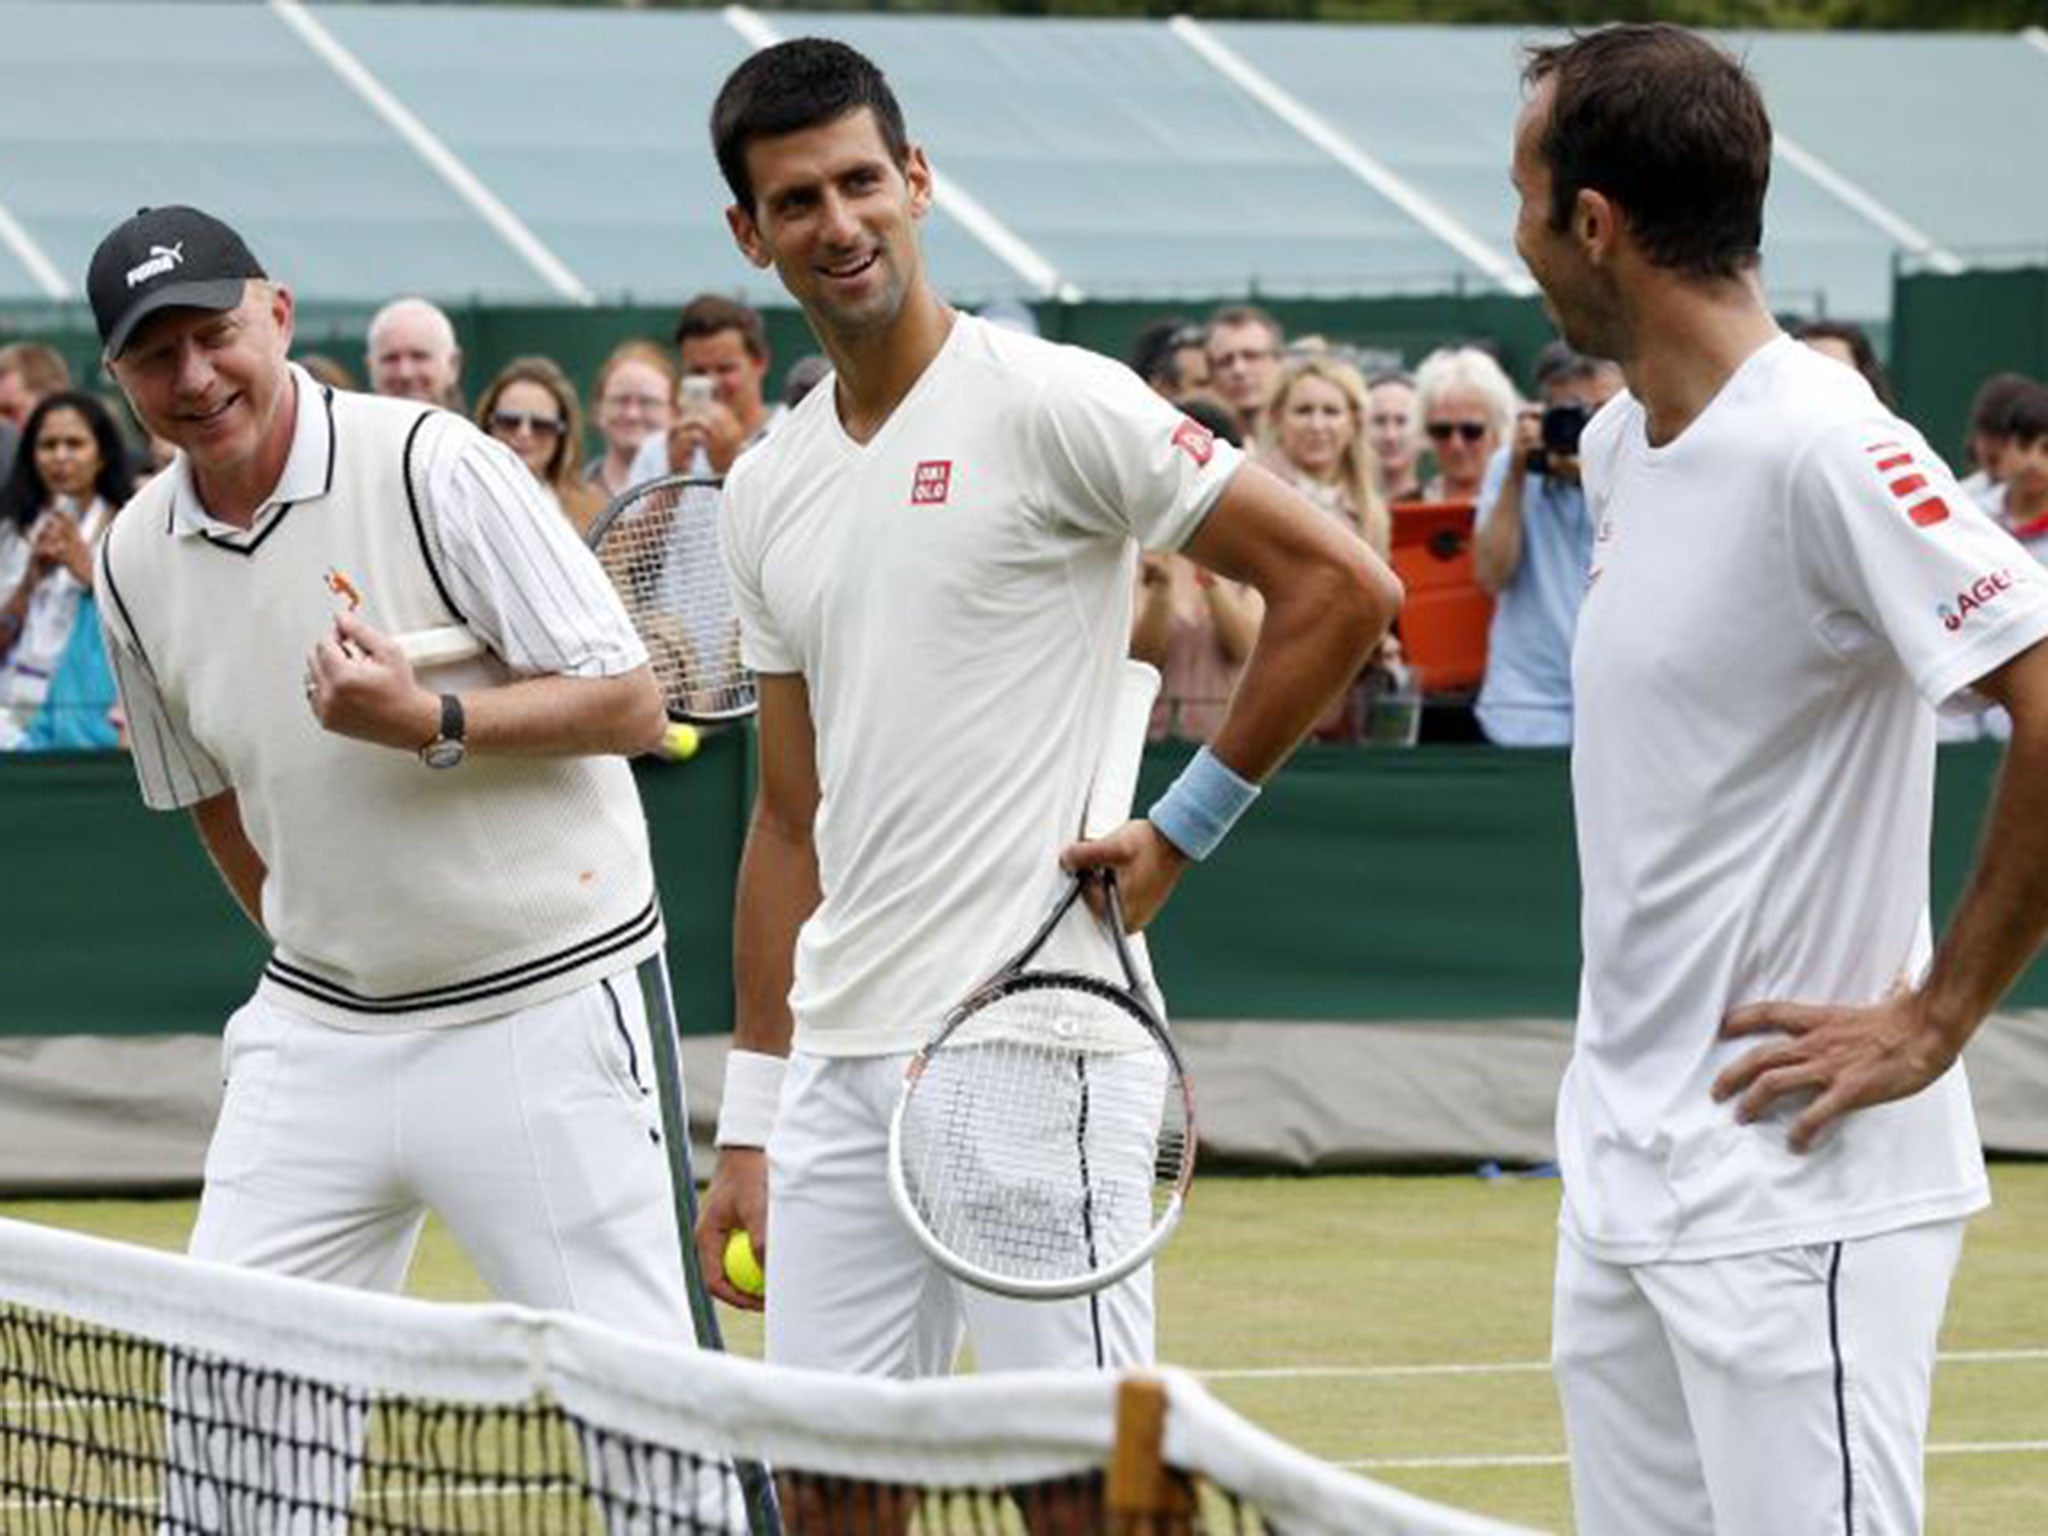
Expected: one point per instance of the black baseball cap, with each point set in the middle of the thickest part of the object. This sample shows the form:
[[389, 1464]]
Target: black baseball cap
[[165, 258]]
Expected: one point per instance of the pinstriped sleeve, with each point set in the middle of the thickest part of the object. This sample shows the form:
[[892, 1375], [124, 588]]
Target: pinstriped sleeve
[[514, 565], [171, 767]]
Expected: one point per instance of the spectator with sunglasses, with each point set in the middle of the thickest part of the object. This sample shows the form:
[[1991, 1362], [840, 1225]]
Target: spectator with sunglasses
[[1468, 410], [531, 408]]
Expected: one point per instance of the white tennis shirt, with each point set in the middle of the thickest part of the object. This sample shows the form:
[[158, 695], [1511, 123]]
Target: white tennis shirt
[[1778, 598], [956, 594]]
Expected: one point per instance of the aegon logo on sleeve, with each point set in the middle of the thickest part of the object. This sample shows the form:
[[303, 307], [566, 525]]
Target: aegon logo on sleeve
[[1981, 593], [1195, 440]]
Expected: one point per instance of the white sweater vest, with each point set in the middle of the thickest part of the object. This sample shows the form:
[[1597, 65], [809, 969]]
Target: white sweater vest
[[397, 897]]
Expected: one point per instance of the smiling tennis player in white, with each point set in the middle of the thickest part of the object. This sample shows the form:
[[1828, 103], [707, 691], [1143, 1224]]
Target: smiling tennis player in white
[[933, 560]]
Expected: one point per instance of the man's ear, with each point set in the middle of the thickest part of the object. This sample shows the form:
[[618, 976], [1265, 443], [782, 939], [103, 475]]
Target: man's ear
[[283, 312], [747, 236], [1596, 224], [917, 170]]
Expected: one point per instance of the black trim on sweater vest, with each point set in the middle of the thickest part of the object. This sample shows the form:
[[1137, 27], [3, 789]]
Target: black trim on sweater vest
[[476, 988], [419, 524]]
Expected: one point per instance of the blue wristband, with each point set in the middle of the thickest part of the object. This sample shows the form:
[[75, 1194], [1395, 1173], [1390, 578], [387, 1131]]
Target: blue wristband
[[1201, 806]]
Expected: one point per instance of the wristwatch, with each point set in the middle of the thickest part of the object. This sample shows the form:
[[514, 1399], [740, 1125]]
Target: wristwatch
[[446, 750]]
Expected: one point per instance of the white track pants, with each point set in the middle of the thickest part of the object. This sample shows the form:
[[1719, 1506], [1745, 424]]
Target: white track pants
[[1782, 1393], [850, 1289], [536, 1136]]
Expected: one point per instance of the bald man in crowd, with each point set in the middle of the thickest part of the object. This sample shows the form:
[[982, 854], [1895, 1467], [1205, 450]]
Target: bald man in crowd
[[412, 354]]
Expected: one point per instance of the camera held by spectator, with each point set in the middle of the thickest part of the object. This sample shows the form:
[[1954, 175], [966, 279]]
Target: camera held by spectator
[[1558, 439]]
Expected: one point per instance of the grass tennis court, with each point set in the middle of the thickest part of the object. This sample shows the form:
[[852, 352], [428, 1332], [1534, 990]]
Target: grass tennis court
[[1398, 1326]]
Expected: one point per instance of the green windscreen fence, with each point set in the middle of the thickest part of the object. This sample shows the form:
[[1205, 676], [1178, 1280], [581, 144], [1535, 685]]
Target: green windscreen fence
[[1950, 333], [1435, 884]]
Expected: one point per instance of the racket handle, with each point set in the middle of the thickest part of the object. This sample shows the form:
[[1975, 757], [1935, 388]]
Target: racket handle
[[440, 646], [1123, 750]]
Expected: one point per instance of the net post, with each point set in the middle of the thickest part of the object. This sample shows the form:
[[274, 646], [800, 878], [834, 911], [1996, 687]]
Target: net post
[[1145, 1496]]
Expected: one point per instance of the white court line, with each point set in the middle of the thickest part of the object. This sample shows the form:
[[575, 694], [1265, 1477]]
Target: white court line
[[996, 237], [2036, 37], [425, 143], [1311, 125], [32, 256], [1449, 1463], [1531, 1367]]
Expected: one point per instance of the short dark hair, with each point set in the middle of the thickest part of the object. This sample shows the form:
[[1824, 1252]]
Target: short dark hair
[[1559, 360], [1861, 352], [1248, 314], [1154, 355], [1208, 411], [711, 314], [2026, 415], [1993, 402], [1672, 129], [796, 85]]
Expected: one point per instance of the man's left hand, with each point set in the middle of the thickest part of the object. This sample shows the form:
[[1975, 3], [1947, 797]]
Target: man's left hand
[[1147, 868], [1846, 1057], [359, 684]]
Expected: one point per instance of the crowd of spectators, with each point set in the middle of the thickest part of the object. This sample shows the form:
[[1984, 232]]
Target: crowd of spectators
[[1360, 435]]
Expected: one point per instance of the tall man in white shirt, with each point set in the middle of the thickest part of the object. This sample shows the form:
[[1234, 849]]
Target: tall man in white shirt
[[933, 560], [1767, 1140], [452, 867]]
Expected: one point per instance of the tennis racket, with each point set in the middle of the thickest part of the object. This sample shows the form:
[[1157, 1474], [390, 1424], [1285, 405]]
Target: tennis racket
[[1044, 1141], [1045, 1137], [659, 543], [441, 646]]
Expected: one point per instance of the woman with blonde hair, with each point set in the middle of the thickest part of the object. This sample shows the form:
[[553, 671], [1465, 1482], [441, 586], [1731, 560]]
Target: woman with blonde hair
[[1314, 434], [531, 408], [1468, 410], [633, 399]]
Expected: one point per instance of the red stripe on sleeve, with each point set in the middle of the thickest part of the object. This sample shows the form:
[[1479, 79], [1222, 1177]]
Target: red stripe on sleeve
[[1931, 511], [1909, 484]]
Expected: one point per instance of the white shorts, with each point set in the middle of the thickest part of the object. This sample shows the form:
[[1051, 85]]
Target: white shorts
[[1782, 1393], [536, 1136], [849, 1287]]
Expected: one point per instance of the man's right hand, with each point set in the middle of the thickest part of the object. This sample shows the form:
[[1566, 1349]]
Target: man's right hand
[[737, 1197], [711, 426], [1528, 438]]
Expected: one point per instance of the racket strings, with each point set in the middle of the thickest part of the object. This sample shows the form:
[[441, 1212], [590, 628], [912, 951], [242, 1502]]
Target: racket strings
[[1033, 1159], [660, 545]]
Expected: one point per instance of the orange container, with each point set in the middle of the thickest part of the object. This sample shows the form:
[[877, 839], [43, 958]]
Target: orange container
[[1444, 622]]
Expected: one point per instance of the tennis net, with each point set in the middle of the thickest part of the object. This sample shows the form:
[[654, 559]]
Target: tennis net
[[148, 1393]]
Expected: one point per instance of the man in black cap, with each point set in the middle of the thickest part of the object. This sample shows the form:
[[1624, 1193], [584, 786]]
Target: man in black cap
[[453, 872]]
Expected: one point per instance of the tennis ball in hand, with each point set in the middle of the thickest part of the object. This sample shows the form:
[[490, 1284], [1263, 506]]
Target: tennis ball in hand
[[741, 1267], [679, 741]]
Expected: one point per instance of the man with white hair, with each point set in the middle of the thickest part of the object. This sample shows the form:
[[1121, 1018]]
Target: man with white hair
[[412, 354]]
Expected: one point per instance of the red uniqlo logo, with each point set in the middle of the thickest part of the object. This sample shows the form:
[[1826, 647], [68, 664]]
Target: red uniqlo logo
[[934, 478], [1194, 440]]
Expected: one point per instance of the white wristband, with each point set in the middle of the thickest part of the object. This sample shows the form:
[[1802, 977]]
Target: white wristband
[[753, 1089]]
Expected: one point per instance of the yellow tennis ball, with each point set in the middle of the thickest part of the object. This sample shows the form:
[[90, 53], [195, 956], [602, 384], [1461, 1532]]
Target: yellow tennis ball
[[679, 741], [741, 1267]]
